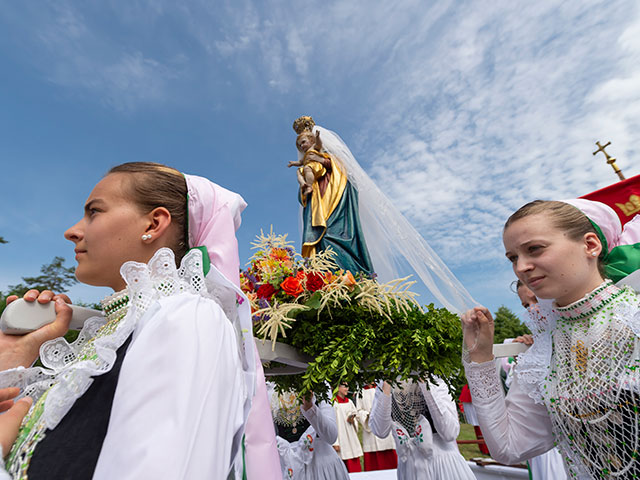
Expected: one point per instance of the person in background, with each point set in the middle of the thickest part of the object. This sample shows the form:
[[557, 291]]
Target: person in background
[[379, 453], [305, 434], [348, 443], [547, 466], [423, 419]]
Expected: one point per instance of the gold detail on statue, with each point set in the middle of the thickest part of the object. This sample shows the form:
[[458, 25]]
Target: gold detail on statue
[[304, 123], [582, 356], [631, 207], [314, 170]]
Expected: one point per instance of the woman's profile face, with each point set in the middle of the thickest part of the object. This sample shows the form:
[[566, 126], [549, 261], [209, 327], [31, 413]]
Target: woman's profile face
[[108, 234]]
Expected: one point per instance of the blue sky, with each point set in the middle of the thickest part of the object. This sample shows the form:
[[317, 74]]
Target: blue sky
[[461, 111]]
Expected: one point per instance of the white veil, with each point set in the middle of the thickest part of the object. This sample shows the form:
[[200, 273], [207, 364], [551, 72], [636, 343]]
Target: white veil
[[391, 239]]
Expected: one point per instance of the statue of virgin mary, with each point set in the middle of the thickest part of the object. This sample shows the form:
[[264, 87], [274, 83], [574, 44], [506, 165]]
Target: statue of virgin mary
[[347, 212]]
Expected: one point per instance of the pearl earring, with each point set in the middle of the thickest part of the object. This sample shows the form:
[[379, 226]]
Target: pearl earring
[[146, 237], [594, 254]]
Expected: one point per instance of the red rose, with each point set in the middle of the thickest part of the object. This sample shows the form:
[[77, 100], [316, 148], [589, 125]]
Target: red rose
[[291, 286], [314, 281], [300, 274], [265, 290]]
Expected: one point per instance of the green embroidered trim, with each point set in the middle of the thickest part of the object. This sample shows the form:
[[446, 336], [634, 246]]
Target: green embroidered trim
[[565, 313], [33, 426], [593, 310], [116, 305], [31, 433]]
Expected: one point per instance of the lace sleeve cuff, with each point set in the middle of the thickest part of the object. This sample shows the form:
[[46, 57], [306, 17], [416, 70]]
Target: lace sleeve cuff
[[483, 379]]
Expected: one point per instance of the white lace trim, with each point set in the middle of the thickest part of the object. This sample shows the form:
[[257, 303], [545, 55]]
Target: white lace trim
[[68, 376], [629, 316], [615, 369], [483, 380], [533, 365]]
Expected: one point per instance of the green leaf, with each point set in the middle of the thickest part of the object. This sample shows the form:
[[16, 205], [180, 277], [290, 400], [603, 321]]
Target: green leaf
[[314, 301]]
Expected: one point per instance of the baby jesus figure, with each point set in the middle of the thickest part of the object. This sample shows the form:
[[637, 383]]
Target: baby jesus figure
[[310, 147]]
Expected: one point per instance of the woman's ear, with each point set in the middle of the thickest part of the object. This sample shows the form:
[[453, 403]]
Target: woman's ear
[[159, 223], [593, 246]]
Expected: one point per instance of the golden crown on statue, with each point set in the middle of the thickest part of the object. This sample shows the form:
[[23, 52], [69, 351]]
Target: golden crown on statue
[[304, 123]]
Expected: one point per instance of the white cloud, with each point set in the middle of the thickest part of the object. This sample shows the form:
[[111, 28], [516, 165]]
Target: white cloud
[[465, 111], [461, 111], [506, 113]]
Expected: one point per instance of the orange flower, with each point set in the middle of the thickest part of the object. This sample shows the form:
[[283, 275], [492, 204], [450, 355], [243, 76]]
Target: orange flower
[[279, 254], [348, 280], [329, 278], [291, 286]]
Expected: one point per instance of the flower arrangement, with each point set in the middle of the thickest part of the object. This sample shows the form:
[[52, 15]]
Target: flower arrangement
[[353, 327]]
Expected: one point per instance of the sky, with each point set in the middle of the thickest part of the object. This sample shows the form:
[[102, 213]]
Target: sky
[[460, 111]]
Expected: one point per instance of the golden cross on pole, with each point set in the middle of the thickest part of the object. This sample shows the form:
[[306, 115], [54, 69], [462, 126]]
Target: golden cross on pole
[[610, 160]]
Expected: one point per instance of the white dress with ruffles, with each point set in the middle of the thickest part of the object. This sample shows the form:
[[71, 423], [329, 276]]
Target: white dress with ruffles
[[185, 384], [424, 455], [312, 457]]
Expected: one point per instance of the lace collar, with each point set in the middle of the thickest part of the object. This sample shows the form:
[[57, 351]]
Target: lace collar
[[590, 304], [68, 368]]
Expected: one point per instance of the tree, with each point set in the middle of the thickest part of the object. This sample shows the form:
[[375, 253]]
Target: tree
[[54, 276], [507, 325], [2, 240]]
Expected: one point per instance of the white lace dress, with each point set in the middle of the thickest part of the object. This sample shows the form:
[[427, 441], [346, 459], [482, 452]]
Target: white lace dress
[[183, 391], [422, 454], [312, 457], [576, 388]]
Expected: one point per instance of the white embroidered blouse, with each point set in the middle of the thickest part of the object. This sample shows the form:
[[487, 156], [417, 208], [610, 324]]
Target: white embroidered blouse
[[184, 387], [576, 388]]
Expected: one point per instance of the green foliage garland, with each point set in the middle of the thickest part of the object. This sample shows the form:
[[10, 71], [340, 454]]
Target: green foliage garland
[[354, 329]]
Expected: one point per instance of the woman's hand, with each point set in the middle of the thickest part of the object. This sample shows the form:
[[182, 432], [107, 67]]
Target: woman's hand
[[526, 339], [386, 388], [11, 420], [478, 328], [17, 350]]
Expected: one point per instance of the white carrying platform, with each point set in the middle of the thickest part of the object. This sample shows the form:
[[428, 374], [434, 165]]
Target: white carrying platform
[[501, 350]]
